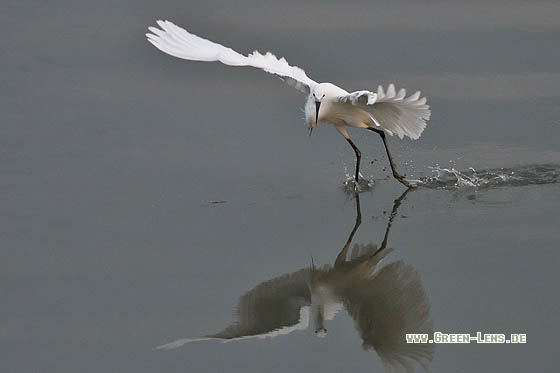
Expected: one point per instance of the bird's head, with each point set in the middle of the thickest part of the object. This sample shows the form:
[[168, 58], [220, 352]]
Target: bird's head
[[318, 93], [317, 106]]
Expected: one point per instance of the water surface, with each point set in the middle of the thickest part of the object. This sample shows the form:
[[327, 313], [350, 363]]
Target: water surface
[[144, 195]]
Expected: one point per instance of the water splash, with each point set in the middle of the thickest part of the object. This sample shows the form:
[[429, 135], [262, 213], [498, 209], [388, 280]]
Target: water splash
[[351, 186], [452, 179]]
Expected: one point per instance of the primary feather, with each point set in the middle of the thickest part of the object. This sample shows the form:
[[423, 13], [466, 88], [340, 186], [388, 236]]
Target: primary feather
[[178, 42], [390, 110]]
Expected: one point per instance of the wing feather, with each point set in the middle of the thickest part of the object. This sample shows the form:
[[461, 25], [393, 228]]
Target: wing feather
[[178, 42], [385, 307], [391, 110], [275, 307]]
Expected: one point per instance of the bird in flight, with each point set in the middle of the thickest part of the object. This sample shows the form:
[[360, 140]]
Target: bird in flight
[[383, 112]]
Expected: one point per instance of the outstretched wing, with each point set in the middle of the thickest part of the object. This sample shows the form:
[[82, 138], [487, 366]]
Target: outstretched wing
[[275, 307], [391, 110], [385, 308], [178, 42]]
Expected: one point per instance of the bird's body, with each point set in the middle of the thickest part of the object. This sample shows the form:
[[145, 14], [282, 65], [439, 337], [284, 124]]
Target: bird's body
[[383, 112]]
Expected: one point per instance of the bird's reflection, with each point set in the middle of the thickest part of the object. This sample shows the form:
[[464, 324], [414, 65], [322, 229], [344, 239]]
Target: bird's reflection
[[385, 302]]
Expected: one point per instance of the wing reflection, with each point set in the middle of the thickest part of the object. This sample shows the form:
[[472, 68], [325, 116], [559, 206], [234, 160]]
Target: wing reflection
[[385, 303]]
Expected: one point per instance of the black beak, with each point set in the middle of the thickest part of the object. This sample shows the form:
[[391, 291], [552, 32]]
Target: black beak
[[317, 106]]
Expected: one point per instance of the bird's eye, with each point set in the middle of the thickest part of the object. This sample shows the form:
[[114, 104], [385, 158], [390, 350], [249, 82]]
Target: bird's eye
[[323, 95], [313, 94]]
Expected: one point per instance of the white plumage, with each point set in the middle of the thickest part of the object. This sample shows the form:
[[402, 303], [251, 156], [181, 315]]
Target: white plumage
[[383, 112], [178, 42]]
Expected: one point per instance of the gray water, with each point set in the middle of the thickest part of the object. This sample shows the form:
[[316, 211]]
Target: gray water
[[145, 197]]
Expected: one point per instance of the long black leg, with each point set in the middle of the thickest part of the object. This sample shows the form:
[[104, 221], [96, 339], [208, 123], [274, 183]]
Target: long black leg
[[396, 205], [341, 257], [358, 157], [395, 173]]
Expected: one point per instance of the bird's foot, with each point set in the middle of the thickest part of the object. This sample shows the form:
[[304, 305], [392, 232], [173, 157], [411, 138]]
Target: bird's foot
[[402, 180]]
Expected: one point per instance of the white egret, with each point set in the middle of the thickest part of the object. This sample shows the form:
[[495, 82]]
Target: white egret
[[383, 112]]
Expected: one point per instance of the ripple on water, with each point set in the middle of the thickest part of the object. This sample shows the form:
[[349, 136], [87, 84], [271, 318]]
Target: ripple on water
[[452, 179]]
